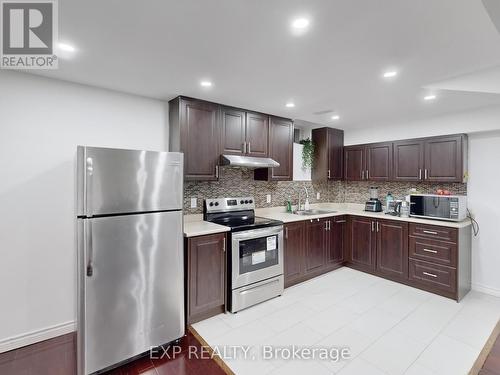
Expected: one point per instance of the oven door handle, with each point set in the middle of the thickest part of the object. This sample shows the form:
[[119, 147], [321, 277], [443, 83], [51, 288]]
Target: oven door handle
[[250, 290], [257, 233]]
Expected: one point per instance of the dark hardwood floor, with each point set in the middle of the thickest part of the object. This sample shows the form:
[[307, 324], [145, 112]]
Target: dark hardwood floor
[[58, 357]]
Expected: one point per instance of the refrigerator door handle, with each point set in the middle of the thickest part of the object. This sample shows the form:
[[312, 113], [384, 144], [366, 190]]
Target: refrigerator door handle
[[90, 249], [88, 193]]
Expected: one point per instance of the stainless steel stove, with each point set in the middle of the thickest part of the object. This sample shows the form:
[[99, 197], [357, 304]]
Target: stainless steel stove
[[255, 254]]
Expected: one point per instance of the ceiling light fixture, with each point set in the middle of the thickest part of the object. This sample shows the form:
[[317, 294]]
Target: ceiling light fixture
[[335, 117], [290, 105], [66, 47], [430, 97], [300, 23], [390, 74], [206, 84]]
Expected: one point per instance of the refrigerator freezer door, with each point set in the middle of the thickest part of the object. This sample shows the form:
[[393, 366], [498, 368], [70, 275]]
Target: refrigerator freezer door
[[114, 181], [133, 298]]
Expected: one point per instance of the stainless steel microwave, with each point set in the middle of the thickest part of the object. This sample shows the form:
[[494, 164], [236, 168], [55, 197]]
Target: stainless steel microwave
[[440, 207]]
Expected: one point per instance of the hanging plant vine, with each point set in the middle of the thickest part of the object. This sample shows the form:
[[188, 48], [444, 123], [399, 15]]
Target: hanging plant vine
[[307, 153]]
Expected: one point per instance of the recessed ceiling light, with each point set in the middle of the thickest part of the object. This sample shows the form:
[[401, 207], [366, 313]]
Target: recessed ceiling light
[[335, 117], [390, 74], [290, 105], [300, 23], [206, 84], [66, 47], [430, 97]]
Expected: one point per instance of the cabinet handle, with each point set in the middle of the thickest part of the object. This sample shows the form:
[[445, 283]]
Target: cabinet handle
[[244, 147], [326, 225], [362, 175], [317, 219], [286, 233], [430, 251], [425, 173], [340, 221], [248, 147], [224, 244], [216, 171], [328, 173], [420, 174], [378, 226], [367, 174], [429, 274], [373, 226], [430, 232]]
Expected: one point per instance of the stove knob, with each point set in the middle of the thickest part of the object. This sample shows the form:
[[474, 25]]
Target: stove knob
[[216, 203], [211, 204], [250, 201], [242, 201], [246, 202]]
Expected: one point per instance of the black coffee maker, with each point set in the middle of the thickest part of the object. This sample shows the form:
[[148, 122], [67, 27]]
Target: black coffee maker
[[374, 204]]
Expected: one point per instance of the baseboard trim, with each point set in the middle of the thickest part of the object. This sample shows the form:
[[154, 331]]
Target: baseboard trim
[[29, 338], [486, 289]]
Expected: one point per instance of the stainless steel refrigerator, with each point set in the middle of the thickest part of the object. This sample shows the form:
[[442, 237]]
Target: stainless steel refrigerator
[[130, 254]]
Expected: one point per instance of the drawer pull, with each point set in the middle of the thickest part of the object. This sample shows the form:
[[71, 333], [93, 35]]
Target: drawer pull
[[429, 274], [430, 232], [430, 251], [340, 221]]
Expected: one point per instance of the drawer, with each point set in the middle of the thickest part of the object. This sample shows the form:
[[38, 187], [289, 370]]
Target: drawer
[[433, 251], [434, 232], [433, 276], [340, 219]]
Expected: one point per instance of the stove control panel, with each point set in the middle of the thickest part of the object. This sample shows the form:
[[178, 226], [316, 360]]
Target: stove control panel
[[229, 204]]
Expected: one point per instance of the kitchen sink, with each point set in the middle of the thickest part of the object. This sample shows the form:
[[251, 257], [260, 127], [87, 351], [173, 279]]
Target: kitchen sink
[[313, 212]]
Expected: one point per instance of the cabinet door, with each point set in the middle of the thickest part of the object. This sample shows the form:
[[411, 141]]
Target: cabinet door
[[281, 148], [354, 163], [336, 240], [443, 159], [408, 160], [392, 249], [294, 252], [232, 131], [315, 245], [199, 139], [335, 154], [206, 275], [362, 238], [379, 162], [257, 133]]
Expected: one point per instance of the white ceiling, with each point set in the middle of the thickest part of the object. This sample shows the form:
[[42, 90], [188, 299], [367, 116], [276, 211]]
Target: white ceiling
[[163, 48]]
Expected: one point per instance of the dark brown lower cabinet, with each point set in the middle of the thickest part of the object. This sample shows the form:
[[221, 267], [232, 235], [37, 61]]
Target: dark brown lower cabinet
[[392, 249], [294, 247], [205, 263], [362, 242], [337, 237], [316, 241]]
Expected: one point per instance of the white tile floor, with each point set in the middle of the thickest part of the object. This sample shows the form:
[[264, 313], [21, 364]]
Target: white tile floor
[[389, 328]]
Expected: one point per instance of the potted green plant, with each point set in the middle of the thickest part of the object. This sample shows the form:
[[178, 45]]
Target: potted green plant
[[307, 153]]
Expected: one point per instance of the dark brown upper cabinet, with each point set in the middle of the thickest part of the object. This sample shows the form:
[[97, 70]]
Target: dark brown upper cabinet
[[371, 162], [257, 133], [195, 131], [378, 162], [233, 131], [437, 159], [354, 163], [328, 154], [409, 160], [280, 149], [444, 159]]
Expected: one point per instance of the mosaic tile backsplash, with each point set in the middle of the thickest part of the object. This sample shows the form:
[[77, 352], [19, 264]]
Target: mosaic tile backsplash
[[236, 182]]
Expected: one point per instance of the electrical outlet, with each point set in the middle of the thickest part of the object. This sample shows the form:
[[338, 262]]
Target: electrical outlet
[[194, 202], [318, 195], [268, 198]]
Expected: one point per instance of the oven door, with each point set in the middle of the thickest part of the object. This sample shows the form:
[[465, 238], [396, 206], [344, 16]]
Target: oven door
[[257, 254]]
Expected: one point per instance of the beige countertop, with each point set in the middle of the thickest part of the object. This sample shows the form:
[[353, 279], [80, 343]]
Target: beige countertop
[[195, 226]]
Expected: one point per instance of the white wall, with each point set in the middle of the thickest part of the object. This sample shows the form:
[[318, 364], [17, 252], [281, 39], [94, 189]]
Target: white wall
[[483, 127], [41, 123]]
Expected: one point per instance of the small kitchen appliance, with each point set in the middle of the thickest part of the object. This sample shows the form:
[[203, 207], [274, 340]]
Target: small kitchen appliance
[[440, 207], [255, 252], [374, 204], [394, 207]]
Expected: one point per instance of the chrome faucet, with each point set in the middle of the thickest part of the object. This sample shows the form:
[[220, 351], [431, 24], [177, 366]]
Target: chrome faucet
[[306, 204]]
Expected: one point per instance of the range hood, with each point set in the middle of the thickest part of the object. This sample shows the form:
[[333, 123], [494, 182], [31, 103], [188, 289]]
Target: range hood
[[248, 161]]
